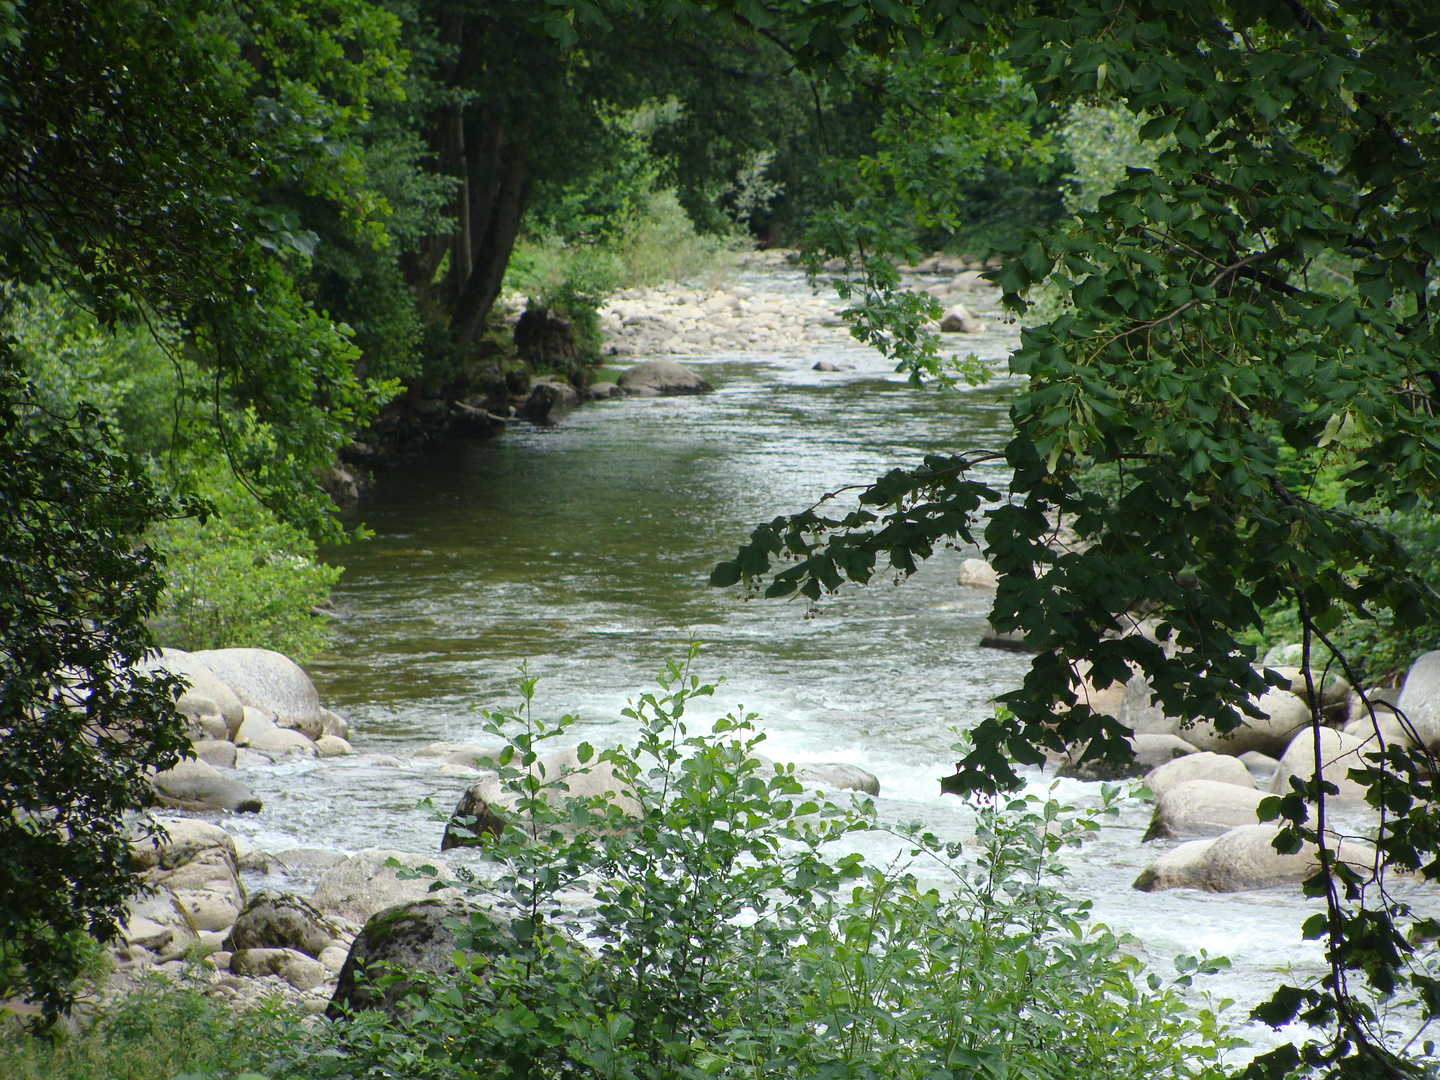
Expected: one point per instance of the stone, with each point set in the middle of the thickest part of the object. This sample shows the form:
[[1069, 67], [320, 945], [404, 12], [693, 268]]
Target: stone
[[332, 746], [334, 724], [204, 683], [1259, 764], [1419, 699], [1008, 640], [196, 786], [1386, 726], [1339, 753], [363, 884], [409, 937], [310, 858], [257, 963], [958, 320], [664, 377], [206, 720], [304, 973], [266, 680], [219, 754], [184, 840], [333, 959], [1149, 750], [1201, 765], [491, 804], [282, 741], [1242, 858], [603, 391], [1285, 714], [277, 921], [1380, 698], [146, 933], [977, 574], [210, 910], [1334, 691], [547, 401], [837, 776], [255, 722], [1203, 808]]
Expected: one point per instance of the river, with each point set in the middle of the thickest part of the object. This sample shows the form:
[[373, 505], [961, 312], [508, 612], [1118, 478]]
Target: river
[[583, 550]]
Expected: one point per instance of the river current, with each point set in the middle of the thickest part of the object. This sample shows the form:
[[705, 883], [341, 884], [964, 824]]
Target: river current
[[582, 550]]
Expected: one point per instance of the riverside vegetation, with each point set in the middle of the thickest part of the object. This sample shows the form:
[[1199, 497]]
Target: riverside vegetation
[[721, 931]]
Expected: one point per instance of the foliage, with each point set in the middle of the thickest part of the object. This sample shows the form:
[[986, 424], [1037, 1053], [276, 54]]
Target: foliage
[[717, 934], [80, 725], [241, 578], [1293, 140], [160, 1029]]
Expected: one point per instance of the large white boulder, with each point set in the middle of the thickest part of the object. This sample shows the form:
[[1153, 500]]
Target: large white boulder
[[1204, 808], [363, 884], [1420, 699], [1204, 765], [1243, 858], [197, 786], [663, 377], [1285, 714], [268, 680], [1339, 753], [205, 686]]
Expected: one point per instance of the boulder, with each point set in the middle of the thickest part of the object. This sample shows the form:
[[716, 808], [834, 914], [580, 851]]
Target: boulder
[[220, 754], [363, 884], [254, 723], [1386, 726], [1380, 698], [196, 786], [206, 720], [1150, 751], [1258, 764], [978, 574], [1339, 753], [1419, 701], [603, 391], [958, 320], [1007, 640], [204, 683], [184, 839], [411, 937], [300, 971], [837, 776], [276, 921], [1203, 808], [331, 746], [266, 680], [1243, 858], [334, 724], [1202, 765], [662, 377], [1334, 691], [1285, 714], [548, 400], [491, 803], [192, 882]]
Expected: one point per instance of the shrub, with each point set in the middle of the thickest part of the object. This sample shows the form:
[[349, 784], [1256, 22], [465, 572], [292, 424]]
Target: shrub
[[725, 935]]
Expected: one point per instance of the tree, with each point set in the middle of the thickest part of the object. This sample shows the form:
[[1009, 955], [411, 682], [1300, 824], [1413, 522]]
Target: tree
[[1242, 385], [142, 143]]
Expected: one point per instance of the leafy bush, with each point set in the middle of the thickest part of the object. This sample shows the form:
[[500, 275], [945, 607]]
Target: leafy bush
[[724, 936], [240, 578], [159, 1031]]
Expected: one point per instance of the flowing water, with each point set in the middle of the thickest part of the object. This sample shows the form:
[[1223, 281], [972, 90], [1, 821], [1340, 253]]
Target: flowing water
[[583, 549]]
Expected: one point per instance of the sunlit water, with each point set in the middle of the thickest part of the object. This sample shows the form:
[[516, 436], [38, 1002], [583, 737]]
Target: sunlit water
[[583, 550]]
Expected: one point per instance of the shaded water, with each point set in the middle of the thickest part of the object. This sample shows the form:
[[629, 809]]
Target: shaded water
[[583, 550]]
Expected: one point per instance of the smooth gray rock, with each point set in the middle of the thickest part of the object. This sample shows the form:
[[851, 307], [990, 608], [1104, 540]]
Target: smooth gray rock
[[266, 680], [1419, 700], [1243, 858], [1203, 808], [204, 683], [276, 921], [837, 776], [1203, 765], [196, 786], [663, 377], [406, 937], [1150, 751], [362, 885], [977, 574], [958, 320], [1285, 714], [1339, 753], [220, 754]]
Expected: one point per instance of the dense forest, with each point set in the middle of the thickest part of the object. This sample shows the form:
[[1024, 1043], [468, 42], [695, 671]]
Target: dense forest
[[246, 245]]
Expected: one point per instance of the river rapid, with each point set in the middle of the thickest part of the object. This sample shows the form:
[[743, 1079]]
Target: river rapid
[[582, 550]]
